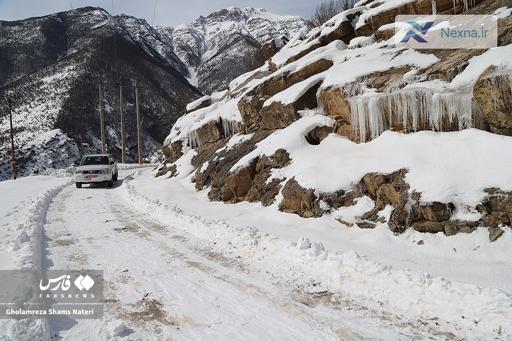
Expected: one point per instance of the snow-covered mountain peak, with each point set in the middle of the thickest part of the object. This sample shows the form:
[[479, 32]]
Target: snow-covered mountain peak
[[228, 34]]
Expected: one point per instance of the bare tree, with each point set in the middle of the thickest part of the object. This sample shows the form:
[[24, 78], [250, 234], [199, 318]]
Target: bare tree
[[327, 10]]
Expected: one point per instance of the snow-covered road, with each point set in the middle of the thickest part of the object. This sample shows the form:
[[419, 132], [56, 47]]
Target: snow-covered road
[[172, 274], [161, 283]]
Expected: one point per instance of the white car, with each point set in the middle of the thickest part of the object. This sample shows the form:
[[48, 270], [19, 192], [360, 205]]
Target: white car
[[97, 168]]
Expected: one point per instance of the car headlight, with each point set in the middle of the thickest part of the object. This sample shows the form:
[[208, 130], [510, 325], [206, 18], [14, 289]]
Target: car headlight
[[104, 171], [78, 172]]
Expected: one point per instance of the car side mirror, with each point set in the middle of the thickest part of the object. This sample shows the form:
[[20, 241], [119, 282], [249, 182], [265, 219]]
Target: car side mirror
[[112, 162]]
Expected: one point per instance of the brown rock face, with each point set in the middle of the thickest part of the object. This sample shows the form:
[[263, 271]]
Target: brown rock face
[[372, 182], [428, 226], [308, 71], [270, 48], [261, 190], [165, 169], [493, 94], [299, 200], [246, 184], [436, 211], [219, 164], [173, 151], [344, 32], [238, 184], [278, 115], [317, 135], [208, 133], [302, 53], [497, 208], [335, 104], [495, 233]]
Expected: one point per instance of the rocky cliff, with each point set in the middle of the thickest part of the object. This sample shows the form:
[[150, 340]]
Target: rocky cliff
[[342, 122]]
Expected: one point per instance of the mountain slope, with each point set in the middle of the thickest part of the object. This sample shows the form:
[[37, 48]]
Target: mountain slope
[[343, 122], [215, 47], [51, 67]]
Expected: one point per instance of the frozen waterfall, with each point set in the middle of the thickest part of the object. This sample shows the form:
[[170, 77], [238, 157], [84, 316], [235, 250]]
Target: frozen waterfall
[[410, 110]]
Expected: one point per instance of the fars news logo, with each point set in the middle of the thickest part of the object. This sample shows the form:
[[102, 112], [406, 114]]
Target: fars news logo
[[63, 283]]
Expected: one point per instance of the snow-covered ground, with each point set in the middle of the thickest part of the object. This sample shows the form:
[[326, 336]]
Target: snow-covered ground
[[177, 266]]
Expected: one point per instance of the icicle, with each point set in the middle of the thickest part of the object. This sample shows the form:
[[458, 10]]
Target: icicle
[[194, 140], [434, 7], [466, 7], [229, 128], [416, 109]]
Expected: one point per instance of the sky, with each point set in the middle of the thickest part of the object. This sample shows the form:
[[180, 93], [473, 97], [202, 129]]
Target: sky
[[168, 12]]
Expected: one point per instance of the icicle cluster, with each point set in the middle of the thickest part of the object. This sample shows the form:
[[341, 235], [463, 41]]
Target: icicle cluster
[[227, 127], [412, 110]]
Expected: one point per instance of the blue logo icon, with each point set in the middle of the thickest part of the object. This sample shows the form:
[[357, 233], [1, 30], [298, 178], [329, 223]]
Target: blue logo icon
[[418, 31]]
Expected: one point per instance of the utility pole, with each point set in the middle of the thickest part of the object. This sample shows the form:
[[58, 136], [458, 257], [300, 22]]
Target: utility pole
[[13, 154], [102, 121], [139, 135], [122, 122]]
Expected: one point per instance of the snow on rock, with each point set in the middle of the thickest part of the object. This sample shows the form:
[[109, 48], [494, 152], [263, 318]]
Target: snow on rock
[[201, 102], [290, 138], [350, 214], [373, 58], [296, 91], [187, 124], [441, 166]]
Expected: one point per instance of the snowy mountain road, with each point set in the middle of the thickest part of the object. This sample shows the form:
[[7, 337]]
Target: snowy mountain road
[[160, 283]]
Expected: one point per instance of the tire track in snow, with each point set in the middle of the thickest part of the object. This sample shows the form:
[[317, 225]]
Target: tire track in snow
[[152, 268], [139, 267], [293, 299]]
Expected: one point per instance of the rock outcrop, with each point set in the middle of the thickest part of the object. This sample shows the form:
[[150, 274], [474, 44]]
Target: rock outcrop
[[493, 95], [278, 115]]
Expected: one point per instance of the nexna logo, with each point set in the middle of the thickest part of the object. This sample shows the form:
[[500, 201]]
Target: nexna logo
[[418, 31]]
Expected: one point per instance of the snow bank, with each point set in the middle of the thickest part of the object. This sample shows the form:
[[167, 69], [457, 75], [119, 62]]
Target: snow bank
[[473, 311], [23, 208]]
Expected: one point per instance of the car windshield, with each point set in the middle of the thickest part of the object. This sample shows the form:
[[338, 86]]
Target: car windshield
[[94, 160]]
